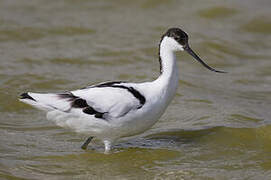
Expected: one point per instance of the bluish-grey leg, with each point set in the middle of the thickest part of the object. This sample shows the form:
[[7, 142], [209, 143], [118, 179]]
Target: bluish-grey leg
[[85, 145]]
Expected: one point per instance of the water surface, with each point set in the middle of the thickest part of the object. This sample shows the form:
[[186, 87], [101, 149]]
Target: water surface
[[217, 127]]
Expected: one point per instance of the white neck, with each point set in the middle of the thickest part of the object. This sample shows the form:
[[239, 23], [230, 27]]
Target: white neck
[[167, 82]]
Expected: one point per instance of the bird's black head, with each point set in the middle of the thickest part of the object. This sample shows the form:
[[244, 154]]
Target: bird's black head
[[179, 35], [177, 40]]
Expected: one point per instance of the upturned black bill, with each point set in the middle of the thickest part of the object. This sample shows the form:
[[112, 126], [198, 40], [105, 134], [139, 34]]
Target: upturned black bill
[[192, 53]]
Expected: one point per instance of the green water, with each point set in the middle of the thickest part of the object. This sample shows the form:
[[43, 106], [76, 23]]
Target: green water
[[217, 127]]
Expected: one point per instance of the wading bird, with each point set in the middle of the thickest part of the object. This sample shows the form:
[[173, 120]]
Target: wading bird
[[112, 110]]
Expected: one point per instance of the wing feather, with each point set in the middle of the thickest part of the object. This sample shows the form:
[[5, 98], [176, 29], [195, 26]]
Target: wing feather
[[115, 102], [106, 100]]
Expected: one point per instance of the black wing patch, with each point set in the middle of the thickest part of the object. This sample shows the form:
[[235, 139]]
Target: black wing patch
[[77, 102], [91, 111], [26, 96]]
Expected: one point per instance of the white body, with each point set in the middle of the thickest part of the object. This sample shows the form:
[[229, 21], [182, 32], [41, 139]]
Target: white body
[[124, 117]]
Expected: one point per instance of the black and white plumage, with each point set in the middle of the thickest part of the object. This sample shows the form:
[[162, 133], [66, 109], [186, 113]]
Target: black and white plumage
[[113, 110]]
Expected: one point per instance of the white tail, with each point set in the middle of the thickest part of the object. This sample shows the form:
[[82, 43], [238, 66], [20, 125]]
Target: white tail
[[46, 101]]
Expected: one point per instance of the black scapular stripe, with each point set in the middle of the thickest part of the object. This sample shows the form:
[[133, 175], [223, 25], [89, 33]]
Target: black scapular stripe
[[104, 84], [133, 91], [115, 84], [109, 84]]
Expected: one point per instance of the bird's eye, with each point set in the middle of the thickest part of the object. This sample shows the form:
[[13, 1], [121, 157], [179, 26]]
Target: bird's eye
[[182, 41]]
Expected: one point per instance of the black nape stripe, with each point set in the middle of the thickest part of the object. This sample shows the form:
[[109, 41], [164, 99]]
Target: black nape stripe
[[26, 96], [179, 35]]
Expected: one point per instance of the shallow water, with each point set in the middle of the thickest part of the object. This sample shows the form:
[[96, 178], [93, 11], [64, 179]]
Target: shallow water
[[217, 127]]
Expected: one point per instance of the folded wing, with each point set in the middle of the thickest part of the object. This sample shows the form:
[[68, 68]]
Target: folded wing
[[105, 101]]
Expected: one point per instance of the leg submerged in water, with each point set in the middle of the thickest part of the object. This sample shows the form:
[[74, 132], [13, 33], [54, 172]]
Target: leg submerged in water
[[85, 145]]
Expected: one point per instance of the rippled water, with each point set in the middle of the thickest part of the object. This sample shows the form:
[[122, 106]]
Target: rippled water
[[217, 127]]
